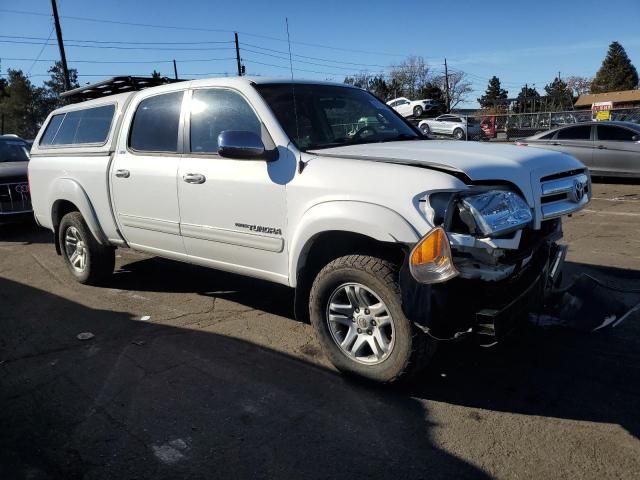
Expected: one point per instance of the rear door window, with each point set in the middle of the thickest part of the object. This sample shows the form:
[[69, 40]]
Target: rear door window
[[609, 132], [80, 127], [582, 132], [155, 124]]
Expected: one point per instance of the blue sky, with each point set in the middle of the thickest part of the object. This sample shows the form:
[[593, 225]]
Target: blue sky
[[520, 42]]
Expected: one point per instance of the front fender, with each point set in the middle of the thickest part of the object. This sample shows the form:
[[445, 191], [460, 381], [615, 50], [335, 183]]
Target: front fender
[[67, 189], [375, 221]]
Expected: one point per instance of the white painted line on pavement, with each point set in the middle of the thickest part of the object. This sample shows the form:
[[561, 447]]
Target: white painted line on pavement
[[623, 214]]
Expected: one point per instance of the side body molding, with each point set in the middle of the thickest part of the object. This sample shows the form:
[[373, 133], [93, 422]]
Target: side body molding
[[69, 190], [375, 221]]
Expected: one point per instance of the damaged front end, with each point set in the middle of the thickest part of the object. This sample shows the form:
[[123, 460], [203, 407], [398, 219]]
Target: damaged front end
[[506, 262]]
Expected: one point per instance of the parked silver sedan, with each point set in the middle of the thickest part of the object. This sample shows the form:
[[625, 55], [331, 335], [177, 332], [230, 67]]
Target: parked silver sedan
[[607, 148]]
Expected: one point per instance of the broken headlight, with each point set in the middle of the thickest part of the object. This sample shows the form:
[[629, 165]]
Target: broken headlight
[[495, 212]]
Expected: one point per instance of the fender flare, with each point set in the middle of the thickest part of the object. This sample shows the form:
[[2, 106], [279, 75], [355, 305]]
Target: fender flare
[[374, 221], [71, 191]]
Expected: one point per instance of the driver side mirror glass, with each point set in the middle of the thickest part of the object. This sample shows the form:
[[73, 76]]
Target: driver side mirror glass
[[240, 144]]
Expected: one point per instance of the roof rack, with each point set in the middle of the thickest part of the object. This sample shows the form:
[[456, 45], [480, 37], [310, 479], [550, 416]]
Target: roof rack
[[115, 85]]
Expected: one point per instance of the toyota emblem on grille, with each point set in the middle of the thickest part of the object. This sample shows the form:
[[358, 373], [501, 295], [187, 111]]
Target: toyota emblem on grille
[[24, 188], [578, 190]]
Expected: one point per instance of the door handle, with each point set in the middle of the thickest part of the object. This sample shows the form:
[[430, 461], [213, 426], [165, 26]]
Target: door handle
[[601, 147], [196, 178], [123, 173], [556, 143]]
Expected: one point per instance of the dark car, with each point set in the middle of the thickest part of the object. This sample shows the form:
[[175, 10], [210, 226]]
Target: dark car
[[607, 148], [15, 200]]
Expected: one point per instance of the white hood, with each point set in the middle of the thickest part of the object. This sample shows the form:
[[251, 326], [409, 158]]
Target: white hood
[[522, 166]]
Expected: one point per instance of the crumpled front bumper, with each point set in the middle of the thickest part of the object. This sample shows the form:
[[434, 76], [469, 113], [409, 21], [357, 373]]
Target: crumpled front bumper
[[485, 311]]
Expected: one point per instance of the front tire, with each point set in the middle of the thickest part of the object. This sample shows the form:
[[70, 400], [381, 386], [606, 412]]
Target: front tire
[[417, 111], [356, 311], [425, 129], [88, 261]]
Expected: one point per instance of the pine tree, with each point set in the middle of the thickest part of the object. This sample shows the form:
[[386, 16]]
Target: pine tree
[[494, 94], [559, 95], [616, 73], [528, 100]]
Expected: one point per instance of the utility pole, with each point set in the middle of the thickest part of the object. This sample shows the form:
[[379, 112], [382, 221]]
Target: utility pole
[[63, 57], [175, 69], [238, 55], [526, 96], [446, 85]]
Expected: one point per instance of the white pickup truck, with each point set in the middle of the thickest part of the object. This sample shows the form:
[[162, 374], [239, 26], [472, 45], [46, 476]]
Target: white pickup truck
[[392, 241]]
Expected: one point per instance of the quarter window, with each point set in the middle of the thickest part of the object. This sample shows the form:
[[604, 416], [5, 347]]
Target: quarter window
[[88, 126], [216, 110], [582, 132], [155, 124], [607, 132]]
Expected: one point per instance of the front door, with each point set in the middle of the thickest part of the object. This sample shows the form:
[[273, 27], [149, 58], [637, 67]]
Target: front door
[[615, 150], [232, 212], [143, 176]]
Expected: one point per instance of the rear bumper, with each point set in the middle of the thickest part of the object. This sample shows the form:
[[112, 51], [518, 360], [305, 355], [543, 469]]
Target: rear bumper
[[18, 217]]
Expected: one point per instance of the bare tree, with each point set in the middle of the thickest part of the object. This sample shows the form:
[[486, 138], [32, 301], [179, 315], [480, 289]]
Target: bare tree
[[459, 87], [579, 85], [411, 75]]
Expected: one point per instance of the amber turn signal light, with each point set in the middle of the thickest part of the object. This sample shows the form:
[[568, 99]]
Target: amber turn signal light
[[430, 260]]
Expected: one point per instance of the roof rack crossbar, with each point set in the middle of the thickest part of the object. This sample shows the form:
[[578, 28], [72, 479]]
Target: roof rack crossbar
[[115, 85]]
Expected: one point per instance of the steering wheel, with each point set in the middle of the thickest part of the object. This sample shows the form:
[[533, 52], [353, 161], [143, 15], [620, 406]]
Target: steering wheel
[[361, 131]]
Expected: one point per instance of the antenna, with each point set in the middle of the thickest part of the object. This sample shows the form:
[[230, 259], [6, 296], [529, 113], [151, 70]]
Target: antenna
[[293, 94]]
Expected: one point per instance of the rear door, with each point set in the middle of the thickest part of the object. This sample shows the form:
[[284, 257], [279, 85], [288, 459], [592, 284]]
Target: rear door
[[616, 151], [576, 140], [143, 174]]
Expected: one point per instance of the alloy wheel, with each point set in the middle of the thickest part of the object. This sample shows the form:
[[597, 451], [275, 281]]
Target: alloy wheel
[[360, 323]]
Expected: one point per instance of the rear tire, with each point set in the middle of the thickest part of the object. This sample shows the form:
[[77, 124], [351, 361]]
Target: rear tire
[[373, 338], [458, 133], [88, 261]]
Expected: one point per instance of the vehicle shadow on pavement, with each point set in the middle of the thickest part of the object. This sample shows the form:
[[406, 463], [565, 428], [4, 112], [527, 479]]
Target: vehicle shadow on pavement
[[556, 373], [161, 275], [140, 400], [25, 233]]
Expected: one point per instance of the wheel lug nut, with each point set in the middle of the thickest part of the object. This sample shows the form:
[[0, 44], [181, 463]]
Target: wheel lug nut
[[366, 311], [369, 332], [359, 331], [357, 310], [373, 323]]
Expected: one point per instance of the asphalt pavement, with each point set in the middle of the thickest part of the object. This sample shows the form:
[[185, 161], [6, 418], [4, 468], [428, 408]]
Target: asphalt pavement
[[194, 373]]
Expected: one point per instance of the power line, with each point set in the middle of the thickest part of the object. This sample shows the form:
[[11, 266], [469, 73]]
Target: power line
[[35, 60], [116, 47], [19, 37], [201, 29]]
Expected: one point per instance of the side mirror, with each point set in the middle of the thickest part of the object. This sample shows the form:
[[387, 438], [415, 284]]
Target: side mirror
[[241, 145]]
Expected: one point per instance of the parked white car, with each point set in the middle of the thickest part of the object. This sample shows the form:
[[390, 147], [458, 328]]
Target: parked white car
[[453, 125], [415, 108], [392, 241]]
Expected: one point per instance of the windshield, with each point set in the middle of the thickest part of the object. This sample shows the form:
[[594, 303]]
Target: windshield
[[13, 151], [332, 116]]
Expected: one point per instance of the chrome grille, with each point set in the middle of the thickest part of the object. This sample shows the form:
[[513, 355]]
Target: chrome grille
[[563, 195], [14, 198]]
